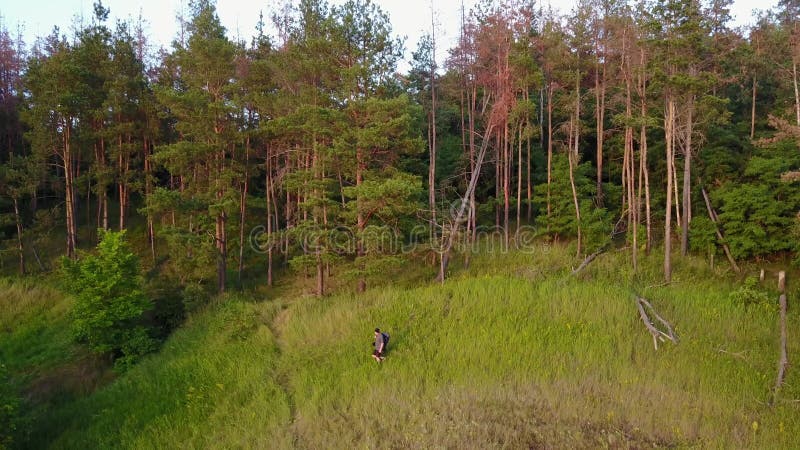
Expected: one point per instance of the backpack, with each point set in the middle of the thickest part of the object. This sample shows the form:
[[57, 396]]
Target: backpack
[[385, 340]]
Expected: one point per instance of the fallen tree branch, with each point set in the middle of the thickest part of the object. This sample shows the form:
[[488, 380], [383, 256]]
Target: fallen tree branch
[[666, 283], [589, 260], [714, 219], [459, 216], [658, 335], [739, 355], [614, 232]]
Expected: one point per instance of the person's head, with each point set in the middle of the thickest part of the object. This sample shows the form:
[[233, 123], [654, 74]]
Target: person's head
[[377, 331]]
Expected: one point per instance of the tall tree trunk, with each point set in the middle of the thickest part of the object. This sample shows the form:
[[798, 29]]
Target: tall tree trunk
[[69, 192], [126, 188], [675, 184], [644, 175], [528, 160], [519, 177], [796, 92], [549, 147], [465, 148], [687, 182], [498, 180], [432, 131], [600, 101], [172, 186], [573, 157], [506, 184], [669, 123], [570, 157], [456, 221], [360, 222], [633, 205], [222, 253], [472, 160], [20, 245], [320, 276], [121, 183], [221, 238], [753, 112], [625, 211], [643, 168], [103, 195], [327, 272], [88, 200], [124, 167], [148, 190], [270, 196], [243, 210], [630, 166]]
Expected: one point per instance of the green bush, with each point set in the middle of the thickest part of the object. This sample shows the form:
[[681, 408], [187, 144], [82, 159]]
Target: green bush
[[168, 310], [194, 297], [9, 403], [109, 300], [749, 294], [596, 223]]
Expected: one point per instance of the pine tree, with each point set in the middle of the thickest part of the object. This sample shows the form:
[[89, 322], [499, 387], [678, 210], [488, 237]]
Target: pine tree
[[55, 98], [204, 156]]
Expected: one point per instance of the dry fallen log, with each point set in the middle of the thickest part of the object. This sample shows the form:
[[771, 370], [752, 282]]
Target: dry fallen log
[[658, 335], [602, 249], [714, 219], [739, 355], [459, 217], [588, 260]]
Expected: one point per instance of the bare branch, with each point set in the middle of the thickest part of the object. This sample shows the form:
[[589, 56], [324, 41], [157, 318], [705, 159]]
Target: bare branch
[[658, 335]]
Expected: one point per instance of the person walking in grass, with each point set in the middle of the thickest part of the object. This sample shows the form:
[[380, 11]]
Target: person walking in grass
[[381, 341]]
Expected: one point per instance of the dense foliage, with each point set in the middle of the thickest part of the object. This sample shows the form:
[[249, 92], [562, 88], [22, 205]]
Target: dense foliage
[[9, 404], [607, 121], [109, 300]]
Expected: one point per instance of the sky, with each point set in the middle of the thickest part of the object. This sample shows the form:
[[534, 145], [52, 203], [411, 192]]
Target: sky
[[410, 18]]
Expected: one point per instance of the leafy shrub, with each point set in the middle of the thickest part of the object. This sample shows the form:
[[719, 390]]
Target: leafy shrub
[[755, 220], [749, 294], [703, 235], [194, 296], [168, 310], [109, 300], [757, 210], [9, 403], [596, 223]]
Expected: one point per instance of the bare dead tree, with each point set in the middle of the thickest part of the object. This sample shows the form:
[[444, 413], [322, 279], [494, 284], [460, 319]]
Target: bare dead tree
[[713, 216], [449, 239]]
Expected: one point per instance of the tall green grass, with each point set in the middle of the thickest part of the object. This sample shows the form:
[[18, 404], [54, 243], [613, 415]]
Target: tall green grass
[[512, 352], [34, 327], [212, 385], [573, 356]]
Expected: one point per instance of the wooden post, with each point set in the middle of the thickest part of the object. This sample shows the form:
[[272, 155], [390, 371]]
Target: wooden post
[[761, 276], [783, 363]]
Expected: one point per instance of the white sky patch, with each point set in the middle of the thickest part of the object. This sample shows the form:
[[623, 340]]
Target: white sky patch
[[410, 18]]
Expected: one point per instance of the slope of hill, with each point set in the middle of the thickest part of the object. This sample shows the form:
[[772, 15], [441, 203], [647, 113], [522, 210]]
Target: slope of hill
[[516, 355]]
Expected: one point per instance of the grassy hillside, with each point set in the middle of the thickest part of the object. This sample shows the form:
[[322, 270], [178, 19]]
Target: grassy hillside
[[512, 353]]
